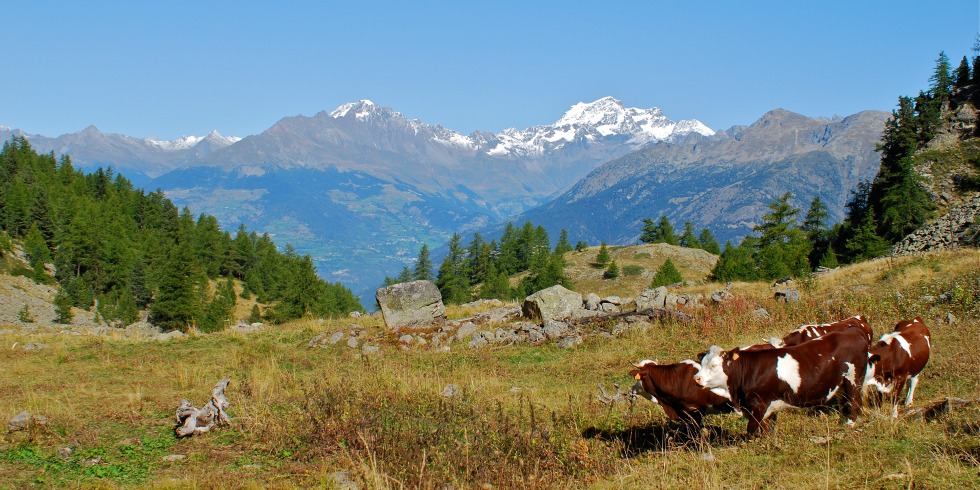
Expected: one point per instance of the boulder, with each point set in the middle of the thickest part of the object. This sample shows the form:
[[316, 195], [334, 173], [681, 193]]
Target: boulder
[[787, 295], [554, 329], [592, 301], [651, 299], [415, 304], [466, 330], [554, 303]]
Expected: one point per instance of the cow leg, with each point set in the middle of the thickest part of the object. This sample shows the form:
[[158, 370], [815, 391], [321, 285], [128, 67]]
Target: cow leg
[[913, 382], [852, 402], [769, 424], [899, 385]]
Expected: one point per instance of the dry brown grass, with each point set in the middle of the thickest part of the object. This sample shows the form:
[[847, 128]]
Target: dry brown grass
[[526, 416]]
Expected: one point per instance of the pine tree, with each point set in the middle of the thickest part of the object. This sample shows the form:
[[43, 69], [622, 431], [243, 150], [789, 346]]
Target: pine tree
[[867, 244], [453, 280], [581, 246], [612, 272], [963, 73], [62, 307], [563, 246], [666, 275], [829, 259], [37, 252], [602, 258], [815, 228], [256, 314], [708, 242], [649, 232], [737, 263], [496, 285], [423, 266], [687, 238], [782, 248]]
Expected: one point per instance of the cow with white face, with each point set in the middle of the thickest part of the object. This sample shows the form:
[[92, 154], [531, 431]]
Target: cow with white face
[[672, 386], [898, 357], [762, 382]]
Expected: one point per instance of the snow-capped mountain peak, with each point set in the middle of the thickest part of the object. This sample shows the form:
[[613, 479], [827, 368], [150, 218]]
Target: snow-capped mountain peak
[[360, 109], [186, 142], [592, 121]]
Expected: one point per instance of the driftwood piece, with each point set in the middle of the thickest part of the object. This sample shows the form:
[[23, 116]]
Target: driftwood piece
[[191, 420], [938, 409], [619, 395]]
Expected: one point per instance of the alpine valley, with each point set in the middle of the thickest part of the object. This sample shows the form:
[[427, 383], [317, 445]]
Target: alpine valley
[[361, 188]]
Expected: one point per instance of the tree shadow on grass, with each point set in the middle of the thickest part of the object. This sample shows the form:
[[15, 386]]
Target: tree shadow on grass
[[665, 437]]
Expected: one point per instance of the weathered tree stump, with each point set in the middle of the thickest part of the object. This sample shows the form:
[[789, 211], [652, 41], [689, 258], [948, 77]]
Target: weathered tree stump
[[191, 420]]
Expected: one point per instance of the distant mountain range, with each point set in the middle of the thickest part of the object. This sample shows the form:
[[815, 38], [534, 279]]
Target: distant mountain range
[[723, 182], [362, 187]]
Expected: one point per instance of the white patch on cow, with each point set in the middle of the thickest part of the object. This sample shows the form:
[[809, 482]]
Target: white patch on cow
[[916, 320], [644, 363], [692, 363], [832, 392], [850, 423], [722, 392], [928, 343], [896, 336], [788, 370], [775, 406], [869, 376], [913, 382], [777, 343], [638, 390], [851, 373]]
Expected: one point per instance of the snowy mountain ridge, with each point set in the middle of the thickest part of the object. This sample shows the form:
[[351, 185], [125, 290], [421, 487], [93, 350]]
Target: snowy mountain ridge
[[589, 121]]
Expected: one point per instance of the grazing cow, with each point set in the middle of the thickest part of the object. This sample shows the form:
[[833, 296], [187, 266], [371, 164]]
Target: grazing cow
[[810, 332], [672, 386], [898, 357], [761, 382]]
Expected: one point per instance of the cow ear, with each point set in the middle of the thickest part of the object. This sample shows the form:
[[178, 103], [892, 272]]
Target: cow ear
[[873, 358], [635, 374]]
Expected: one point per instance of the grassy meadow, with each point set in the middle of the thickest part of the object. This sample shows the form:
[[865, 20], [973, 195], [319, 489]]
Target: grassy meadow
[[523, 417]]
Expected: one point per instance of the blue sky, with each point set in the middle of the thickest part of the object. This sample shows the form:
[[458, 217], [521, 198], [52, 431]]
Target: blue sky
[[165, 69]]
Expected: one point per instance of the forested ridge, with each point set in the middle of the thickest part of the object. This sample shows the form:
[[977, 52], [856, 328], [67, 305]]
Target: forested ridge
[[125, 250]]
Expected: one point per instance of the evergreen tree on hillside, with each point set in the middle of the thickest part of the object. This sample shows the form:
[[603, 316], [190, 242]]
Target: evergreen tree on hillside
[[453, 280], [783, 248], [495, 285], [612, 272], [662, 232], [963, 73], [867, 244], [423, 266], [816, 230], [688, 239], [602, 258], [737, 263], [708, 242], [666, 275], [563, 246]]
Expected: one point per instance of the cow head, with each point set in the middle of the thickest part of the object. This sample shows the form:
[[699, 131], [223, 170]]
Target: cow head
[[712, 371]]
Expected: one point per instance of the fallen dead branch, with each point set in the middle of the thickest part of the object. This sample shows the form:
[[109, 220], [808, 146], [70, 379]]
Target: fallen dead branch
[[191, 420]]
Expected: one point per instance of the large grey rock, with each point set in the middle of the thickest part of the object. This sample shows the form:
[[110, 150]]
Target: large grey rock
[[554, 303], [24, 421], [787, 295], [415, 304], [592, 301], [555, 329], [651, 299], [465, 330]]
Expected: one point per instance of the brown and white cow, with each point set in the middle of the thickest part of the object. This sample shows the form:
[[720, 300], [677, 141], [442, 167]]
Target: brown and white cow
[[898, 357], [810, 332], [762, 382], [672, 386]]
